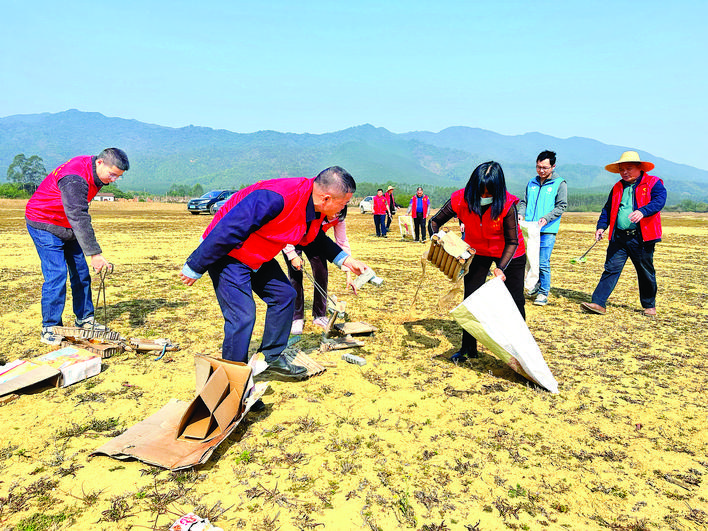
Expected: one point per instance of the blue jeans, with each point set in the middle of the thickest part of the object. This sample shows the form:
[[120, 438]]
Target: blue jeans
[[642, 256], [234, 284], [59, 257], [380, 224], [548, 240]]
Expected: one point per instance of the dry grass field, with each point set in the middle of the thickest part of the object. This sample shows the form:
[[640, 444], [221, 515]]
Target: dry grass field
[[408, 441]]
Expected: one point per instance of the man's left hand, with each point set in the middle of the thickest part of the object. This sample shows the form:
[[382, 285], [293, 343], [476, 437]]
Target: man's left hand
[[635, 216], [542, 222], [187, 280], [354, 265]]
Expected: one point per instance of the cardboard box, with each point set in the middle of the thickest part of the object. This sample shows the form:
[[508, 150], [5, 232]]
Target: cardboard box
[[74, 364], [219, 399], [61, 367]]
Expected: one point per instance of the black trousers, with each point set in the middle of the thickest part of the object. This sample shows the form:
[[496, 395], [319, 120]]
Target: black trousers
[[320, 273], [477, 276], [419, 226]]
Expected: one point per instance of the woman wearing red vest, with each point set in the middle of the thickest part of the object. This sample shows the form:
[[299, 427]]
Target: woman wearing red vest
[[488, 213], [320, 273]]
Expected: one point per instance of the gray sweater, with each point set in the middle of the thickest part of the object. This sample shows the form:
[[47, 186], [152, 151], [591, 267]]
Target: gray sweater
[[74, 191]]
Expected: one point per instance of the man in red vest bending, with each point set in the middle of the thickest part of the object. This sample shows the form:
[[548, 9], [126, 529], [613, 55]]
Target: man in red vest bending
[[632, 219], [239, 247], [60, 225]]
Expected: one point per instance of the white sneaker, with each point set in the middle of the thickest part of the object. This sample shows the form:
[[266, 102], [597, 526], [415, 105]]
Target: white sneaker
[[90, 324], [531, 294], [322, 322], [296, 327], [49, 337], [541, 300]]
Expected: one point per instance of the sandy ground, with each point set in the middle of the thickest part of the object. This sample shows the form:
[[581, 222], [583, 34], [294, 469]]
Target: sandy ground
[[408, 441]]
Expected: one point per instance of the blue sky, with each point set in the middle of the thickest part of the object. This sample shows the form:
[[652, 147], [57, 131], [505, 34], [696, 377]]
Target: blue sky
[[624, 72]]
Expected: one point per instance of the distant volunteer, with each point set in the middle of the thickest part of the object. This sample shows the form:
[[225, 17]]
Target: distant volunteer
[[381, 209], [59, 223], [632, 219], [545, 200], [492, 228], [418, 210], [391, 206], [239, 247], [320, 272]]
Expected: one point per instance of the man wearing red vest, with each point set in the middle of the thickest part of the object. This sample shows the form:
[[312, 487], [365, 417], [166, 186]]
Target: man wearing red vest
[[418, 209], [60, 225], [239, 247], [632, 218]]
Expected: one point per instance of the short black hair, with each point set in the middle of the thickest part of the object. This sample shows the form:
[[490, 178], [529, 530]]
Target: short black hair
[[487, 176], [336, 179], [550, 155], [115, 157]]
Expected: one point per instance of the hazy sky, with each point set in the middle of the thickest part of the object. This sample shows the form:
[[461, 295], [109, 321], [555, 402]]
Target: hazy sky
[[623, 72]]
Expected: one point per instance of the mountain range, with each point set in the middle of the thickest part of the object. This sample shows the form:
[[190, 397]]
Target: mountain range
[[216, 158]]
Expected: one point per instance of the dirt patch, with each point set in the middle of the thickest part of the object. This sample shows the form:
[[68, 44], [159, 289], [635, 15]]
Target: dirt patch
[[409, 440]]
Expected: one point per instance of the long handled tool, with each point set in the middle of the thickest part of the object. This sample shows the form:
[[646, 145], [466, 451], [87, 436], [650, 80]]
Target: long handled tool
[[582, 259], [319, 288], [338, 308], [103, 274]]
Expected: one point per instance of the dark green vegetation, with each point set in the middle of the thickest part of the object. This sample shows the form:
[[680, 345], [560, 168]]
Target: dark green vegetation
[[162, 157]]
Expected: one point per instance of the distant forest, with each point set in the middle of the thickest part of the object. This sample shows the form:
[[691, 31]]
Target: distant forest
[[577, 201]]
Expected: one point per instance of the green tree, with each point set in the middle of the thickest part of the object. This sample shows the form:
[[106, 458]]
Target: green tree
[[198, 190], [26, 173]]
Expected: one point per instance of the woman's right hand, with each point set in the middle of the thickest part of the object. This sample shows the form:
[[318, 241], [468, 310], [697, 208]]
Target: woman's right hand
[[296, 263], [499, 273]]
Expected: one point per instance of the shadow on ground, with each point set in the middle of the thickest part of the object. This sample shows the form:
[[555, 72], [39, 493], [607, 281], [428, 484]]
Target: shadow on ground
[[138, 309]]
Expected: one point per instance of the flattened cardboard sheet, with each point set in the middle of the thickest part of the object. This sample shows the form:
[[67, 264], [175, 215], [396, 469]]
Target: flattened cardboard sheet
[[152, 441]]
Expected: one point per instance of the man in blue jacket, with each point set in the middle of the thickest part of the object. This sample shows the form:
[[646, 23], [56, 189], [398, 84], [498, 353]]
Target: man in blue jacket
[[239, 247], [545, 200]]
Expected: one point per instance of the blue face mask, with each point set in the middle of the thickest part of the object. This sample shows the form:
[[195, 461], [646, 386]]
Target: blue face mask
[[484, 201]]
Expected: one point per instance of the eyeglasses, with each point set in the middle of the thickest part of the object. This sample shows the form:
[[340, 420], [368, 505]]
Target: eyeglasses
[[543, 168]]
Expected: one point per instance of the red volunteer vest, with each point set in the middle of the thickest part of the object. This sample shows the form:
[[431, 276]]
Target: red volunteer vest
[[414, 206], [485, 235], [380, 204], [289, 227], [650, 226], [45, 205]]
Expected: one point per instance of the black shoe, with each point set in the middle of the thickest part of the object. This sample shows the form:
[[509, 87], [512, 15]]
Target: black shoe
[[257, 406], [460, 357], [282, 367]]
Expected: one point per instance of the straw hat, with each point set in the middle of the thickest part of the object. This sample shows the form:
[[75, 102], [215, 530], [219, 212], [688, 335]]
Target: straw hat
[[629, 156], [389, 188]]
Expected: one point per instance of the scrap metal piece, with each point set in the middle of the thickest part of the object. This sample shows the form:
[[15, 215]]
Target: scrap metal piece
[[303, 360], [87, 333], [147, 345], [105, 350], [355, 328]]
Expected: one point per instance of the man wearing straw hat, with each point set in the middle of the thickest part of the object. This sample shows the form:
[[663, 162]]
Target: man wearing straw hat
[[632, 218], [391, 206]]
